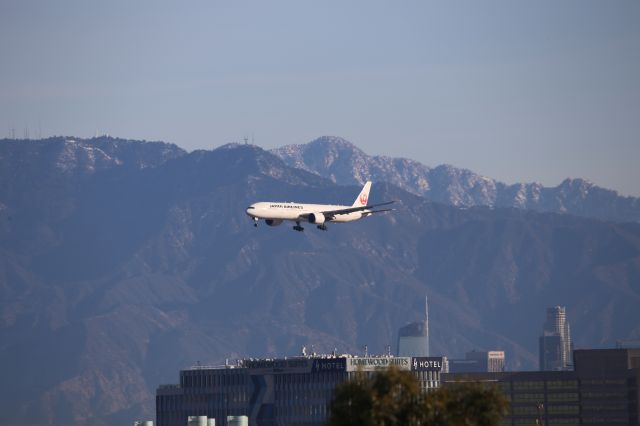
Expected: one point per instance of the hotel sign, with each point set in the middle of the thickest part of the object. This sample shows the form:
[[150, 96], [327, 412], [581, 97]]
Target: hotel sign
[[329, 364], [423, 363], [278, 365], [378, 363]]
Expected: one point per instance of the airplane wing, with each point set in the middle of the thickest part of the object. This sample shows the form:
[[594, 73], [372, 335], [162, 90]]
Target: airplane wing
[[329, 214], [379, 211]]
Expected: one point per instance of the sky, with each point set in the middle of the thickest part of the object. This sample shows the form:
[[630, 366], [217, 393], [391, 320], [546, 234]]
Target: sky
[[514, 90]]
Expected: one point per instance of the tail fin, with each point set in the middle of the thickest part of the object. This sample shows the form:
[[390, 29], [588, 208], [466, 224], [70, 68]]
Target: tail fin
[[363, 198]]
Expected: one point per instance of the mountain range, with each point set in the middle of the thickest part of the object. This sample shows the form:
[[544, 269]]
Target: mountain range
[[123, 261], [344, 163]]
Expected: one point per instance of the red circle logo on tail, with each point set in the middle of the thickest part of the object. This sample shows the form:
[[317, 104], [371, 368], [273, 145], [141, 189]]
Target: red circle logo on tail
[[363, 199]]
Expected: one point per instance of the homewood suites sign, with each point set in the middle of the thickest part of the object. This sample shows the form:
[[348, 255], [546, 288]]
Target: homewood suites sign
[[375, 363]]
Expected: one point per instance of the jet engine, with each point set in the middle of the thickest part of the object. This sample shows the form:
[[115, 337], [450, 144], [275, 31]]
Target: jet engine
[[273, 222], [316, 218]]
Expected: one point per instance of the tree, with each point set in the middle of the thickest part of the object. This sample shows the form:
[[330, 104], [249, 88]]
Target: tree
[[465, 404], [392, 397]]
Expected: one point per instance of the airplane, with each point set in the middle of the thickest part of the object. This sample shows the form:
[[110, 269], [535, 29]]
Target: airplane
[[274, 213]]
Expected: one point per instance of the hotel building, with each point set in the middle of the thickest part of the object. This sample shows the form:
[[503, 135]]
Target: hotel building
[[273, 392]]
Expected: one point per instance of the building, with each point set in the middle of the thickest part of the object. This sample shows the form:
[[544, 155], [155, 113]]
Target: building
[[555, 342], [273, 392], [489, 361], [478, 362], [628, 344], [413, 338], [602, 390], [609, 385], [535, 397]]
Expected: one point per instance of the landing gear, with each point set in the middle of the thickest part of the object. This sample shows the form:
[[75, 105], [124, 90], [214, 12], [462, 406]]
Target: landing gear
[[298, 227], [255, 222], [323, 227]]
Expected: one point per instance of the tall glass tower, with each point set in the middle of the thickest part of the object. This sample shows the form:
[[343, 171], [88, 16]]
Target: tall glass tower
[[413, 338], [555, 342]]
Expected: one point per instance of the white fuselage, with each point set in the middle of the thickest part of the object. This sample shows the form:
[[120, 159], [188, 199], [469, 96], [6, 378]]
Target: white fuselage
[[298, 212]]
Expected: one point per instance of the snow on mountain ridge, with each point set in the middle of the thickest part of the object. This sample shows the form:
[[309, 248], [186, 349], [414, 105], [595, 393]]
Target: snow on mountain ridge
[[344, 163], [76, 155]]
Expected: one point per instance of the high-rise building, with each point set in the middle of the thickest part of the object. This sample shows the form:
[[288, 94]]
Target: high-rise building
[[478, 362], [413, 338], [555, 341]]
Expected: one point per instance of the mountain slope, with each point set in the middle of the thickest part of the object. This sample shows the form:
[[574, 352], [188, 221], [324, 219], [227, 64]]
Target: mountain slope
[[345, 164], [46, 173], [153, 269]]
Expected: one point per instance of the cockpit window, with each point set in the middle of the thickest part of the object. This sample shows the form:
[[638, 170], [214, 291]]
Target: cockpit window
[[250, 207]]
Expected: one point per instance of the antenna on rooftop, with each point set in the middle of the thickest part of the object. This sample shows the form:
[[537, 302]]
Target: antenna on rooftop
[[426, 319], [246, 140], [426, 309]]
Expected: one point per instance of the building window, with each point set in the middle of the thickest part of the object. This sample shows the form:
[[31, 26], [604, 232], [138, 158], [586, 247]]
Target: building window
[[525, 422], [527, 385], [528, 397], [569, 421], [525, 410], [562, 384], [562, 397], [563, 409]]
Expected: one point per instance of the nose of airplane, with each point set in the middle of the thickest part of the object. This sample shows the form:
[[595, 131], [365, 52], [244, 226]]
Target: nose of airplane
[[250, 209]]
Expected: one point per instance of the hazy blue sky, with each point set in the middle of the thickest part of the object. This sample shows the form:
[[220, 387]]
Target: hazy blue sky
[[515, 90]]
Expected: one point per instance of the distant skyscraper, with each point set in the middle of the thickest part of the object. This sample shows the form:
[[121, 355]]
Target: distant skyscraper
[[413, 338], [478, 361], [628, 344], [555, 342], [489, 361]]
